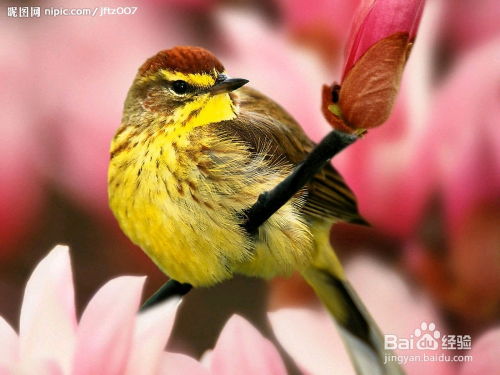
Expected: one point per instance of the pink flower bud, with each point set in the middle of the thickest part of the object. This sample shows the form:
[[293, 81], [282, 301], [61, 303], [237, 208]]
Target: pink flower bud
[[380, 41]]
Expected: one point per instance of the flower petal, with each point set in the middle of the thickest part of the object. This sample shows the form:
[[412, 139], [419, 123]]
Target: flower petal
[[484, 353], [369, 90], [175, 363], [465, 139], [9, 344], [152, 331], [106, 328], [377, 20], [241, 349], [21, 191], [38, 367], [48, 320], [391, 293], [395, 165], [241, 30], [312, 340]]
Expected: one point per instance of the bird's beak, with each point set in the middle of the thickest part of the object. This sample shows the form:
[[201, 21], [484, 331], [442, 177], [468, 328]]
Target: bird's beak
[[227, 85]]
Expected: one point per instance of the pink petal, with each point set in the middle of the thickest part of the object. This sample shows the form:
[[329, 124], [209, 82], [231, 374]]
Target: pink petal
[[241, 349], [393, 163], [379, 173], [106, 328], [465, 138], [76, 156], [38, 367], [470, 23], [48, 321], [378, 19], [384, 292], [312, 340], [9, 343], [174, 363], [473, 261], [20, 189], [324, 24], [152, 331], [485, 359], [241, 30]]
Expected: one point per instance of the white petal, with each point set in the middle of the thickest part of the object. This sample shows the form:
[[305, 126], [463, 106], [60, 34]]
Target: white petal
[[9, 344], [311, 338], [241, 349], [152, 330], [48, 321], [105, 332]]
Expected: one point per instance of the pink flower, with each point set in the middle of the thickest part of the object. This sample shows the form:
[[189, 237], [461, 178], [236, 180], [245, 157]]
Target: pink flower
[[464, 139], [109, 338], [323, 24], [470, 23], [21, 188], [379, 44], [484, 352], [76, 93], [294, 85], [377, 20], [383, 168], [87, 115], [430, 176], [310, 336], [59, 119], [461, 146], [432, 146], [240, 349]]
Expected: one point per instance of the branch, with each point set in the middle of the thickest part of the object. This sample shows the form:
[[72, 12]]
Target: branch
[[270, 201], [170, 289]]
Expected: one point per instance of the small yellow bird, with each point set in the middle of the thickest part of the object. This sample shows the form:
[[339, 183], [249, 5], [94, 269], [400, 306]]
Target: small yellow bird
[[195, 150]]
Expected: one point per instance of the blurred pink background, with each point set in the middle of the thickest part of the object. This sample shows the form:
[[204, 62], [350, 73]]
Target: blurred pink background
[[428, 180]]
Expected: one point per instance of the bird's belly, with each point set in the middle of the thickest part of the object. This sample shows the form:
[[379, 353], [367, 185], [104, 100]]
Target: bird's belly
[[185, 236], [189, 224]]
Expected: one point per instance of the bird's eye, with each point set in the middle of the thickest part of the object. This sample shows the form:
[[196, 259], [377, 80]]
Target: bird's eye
[[179, 87]]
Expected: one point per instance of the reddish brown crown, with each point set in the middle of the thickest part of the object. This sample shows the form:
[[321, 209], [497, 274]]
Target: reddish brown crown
[[183, 59]]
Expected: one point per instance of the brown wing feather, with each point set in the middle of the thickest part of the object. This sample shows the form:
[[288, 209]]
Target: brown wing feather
[[266, 127]]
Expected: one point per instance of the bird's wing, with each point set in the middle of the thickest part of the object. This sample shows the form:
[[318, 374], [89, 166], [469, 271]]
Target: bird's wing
[[268, 128]]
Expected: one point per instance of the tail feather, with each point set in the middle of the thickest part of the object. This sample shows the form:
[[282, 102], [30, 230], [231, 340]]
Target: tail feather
[[360, 334]]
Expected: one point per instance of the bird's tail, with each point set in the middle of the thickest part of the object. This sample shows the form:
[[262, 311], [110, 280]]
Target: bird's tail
[[360, 334]]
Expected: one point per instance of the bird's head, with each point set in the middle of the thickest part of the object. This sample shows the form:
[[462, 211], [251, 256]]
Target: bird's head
[[183, 86]]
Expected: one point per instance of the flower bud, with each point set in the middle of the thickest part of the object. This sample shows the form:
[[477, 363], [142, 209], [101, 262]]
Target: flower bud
[[380, 41]]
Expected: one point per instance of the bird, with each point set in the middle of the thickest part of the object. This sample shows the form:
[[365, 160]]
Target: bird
[[194, 151]]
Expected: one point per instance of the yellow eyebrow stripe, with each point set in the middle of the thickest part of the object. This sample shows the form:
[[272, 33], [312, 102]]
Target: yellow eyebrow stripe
[[195, 79]]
